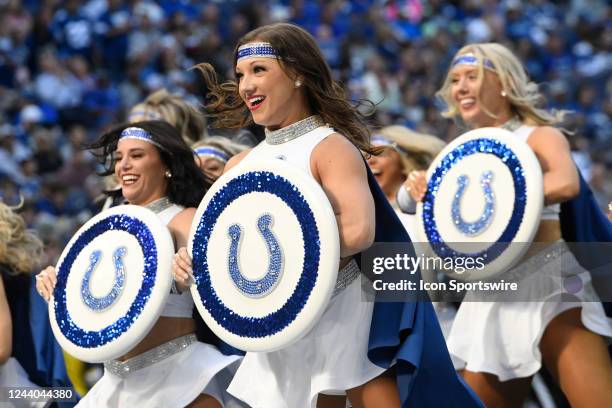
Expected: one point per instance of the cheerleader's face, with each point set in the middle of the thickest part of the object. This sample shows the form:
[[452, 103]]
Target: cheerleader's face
[[269, 93], [212, 168], [140, 171], [470, 95], [388, 170]]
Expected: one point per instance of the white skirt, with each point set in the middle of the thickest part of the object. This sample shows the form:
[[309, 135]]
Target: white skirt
[[12, 375], [174, 381], [330, 359], [503, 337]]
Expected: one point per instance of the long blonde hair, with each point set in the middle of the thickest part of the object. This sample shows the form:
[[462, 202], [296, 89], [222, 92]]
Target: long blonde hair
[[20, 249], [417, 150], [522, 93]]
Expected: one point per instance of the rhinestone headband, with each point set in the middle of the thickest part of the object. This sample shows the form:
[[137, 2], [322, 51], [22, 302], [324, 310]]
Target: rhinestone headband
[[471, 59], [138, 134], [209, 151], [380, 140], [256, 50]]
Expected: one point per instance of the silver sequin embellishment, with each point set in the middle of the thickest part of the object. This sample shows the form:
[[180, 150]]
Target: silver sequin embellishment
[[159, 205], [123, 368], [294, 130], [346, 276]]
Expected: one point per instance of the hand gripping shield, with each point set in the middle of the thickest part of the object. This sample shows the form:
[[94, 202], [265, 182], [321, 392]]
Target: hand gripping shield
[[113, 279]]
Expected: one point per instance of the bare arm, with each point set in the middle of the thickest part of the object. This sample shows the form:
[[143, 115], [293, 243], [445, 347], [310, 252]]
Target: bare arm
[[6, 327], [179, 227], [340, 169], [561, 182]]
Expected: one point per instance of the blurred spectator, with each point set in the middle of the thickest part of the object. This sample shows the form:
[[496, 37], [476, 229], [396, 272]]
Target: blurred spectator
[[71, 66], [73, 31], [57, 86]]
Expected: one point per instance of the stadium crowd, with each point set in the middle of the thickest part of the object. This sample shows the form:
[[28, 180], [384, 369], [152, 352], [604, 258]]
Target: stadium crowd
[[69, 69]]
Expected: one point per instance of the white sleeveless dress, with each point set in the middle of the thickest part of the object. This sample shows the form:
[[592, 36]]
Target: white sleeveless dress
[[332, 357], [502, 338], [191, 369]]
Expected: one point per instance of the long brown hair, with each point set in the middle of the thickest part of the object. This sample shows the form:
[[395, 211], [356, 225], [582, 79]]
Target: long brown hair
[[299, 56]]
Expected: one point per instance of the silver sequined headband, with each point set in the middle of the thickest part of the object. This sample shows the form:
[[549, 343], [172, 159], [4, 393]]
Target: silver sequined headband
[[471, 59], [380, 140], [256, 50], [209, 151], [137, 133]]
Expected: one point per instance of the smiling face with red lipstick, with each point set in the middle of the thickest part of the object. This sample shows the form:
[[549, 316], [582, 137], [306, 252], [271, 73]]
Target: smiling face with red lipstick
[[140, 171], [273, 95]]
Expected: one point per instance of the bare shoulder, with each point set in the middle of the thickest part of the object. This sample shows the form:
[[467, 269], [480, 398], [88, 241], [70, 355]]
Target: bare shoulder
[[547, 136], [234, 160], [336, 155], [183, 219], [335, 147]]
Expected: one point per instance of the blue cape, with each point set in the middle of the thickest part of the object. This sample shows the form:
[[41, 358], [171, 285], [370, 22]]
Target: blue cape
[[34, 345], [583, 221], [409, 334]]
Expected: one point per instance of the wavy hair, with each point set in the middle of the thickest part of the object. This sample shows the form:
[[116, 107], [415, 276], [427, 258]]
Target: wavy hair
[[20, 249], [228, 146], [417, 150], [187, 185], [299, 56], [162, 105], [522, 93]]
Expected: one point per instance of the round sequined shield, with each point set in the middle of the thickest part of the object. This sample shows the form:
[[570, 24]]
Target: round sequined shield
[[265, 251], [113, 279], [482, 206]]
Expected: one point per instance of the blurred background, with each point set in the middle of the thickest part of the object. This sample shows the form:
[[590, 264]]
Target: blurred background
[[69, 69]]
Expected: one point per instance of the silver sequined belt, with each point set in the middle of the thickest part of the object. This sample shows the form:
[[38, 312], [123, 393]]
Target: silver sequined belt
[[539, 260], [123, 368], [346, 276]]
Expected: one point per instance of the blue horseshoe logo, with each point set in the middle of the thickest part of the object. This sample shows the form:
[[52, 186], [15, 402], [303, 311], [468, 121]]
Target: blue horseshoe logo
[[259, 287], [477, 227], [101, 303]]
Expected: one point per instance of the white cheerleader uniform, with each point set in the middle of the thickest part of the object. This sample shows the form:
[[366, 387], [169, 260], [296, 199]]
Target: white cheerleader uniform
[[503, 337], [172, 374], [12, 375], [332, 357]]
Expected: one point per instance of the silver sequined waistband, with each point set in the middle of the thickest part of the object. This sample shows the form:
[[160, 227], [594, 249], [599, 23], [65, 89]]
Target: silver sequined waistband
[[538, 261], [346, 276], [123, 368]]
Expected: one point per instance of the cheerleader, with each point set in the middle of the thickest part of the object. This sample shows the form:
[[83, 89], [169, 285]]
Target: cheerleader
[[503, 344]]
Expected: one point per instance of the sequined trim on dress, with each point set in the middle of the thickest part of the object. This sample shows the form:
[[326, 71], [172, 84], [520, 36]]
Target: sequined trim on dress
[[294, 130], [512, 124], [123, 368], [159, 205], [346, 276]]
